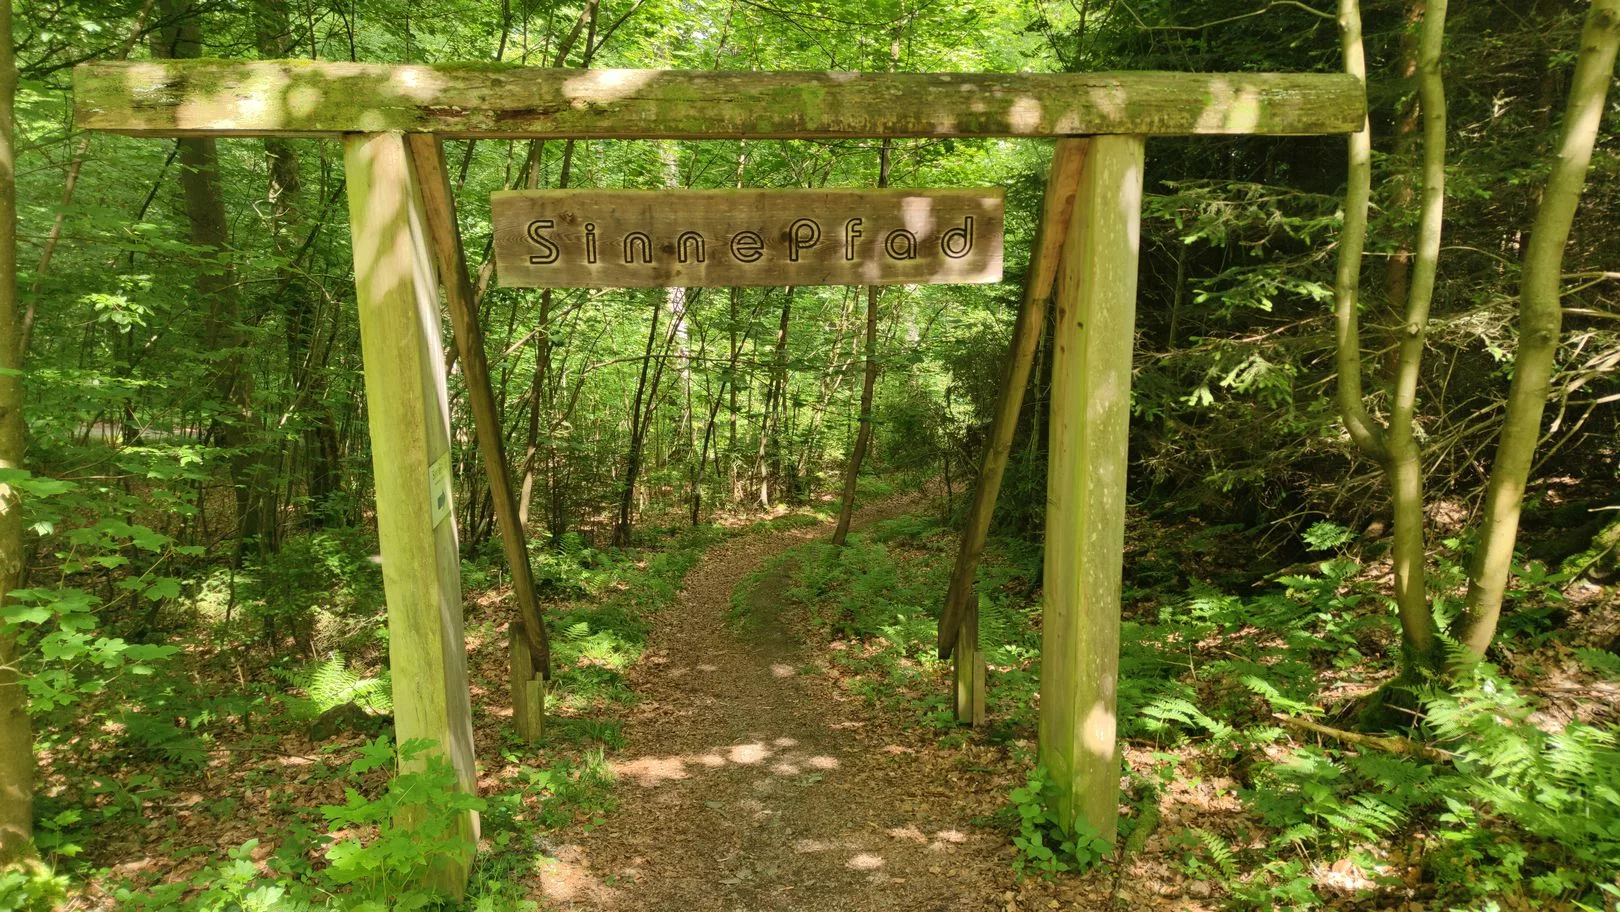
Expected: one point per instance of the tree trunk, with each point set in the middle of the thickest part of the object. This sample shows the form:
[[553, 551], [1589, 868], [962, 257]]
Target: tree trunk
[[775, 393], [627, 493], [301, 308], [1396, 447], [536, 453], [542, 365], [216, 286], [1398, 269], [863, 433], [728, 388], [16, 732], [1405, 457], [1539, 326], [731, 398]]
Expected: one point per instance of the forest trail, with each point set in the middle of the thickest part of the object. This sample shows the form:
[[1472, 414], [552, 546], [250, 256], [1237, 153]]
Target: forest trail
[[748, 785]]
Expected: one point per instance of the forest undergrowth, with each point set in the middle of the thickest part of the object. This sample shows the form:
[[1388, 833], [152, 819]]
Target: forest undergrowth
[[1247, 782], [223, 777], [223, 780]]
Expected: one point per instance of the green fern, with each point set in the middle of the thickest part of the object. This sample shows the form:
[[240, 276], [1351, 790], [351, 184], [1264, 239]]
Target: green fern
[[998, 624], [1219, 852], [331, 682], [1167, 712]]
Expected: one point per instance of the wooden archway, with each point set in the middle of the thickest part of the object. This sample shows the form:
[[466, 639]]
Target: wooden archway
[[391, 120]]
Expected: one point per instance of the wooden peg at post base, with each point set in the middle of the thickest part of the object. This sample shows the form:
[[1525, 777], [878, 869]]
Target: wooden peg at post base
[[530, 654]]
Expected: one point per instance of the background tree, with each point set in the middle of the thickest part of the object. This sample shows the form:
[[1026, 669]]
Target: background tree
[[1540, 322], [16, 730]]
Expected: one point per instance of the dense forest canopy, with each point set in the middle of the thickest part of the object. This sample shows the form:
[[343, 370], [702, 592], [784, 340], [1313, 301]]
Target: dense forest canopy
[[193, 609]]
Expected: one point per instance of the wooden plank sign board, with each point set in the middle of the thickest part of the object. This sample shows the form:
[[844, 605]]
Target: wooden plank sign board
[[693, 238]]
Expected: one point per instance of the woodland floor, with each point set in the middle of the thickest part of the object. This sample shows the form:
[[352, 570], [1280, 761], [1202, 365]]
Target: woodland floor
[[751, 781], [755, 771]]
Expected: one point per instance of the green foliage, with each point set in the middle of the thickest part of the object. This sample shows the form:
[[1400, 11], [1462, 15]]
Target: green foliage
[[1522, 808], [602, 630], [1044, 845], [30, 888], [862, 590], [1326, 536], [1553, 791], [197, 503], [1519, 810], [392, 863], [388, 844], [329, 574], [59, 626], [333, 682]]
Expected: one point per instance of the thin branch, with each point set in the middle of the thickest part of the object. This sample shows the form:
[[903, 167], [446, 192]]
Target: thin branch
[[1238, 18], [1391, 744]]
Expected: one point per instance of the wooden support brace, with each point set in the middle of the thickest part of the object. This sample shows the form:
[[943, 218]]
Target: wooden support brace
[[1093, 334], [530, 651], [409, 415], [961, 612]]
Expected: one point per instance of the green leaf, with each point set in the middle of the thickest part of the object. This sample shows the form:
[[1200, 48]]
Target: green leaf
[[164, 587]]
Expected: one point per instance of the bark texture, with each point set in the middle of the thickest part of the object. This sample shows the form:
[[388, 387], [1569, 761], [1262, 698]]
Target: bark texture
[[1396, 446], [1539, 326], [16, 734], [863, 434]]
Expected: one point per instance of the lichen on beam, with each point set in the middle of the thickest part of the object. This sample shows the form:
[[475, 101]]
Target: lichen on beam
[[318, 98]]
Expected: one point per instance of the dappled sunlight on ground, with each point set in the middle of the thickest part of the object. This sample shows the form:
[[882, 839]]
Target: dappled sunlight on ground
[[653, 771], [565, 877]]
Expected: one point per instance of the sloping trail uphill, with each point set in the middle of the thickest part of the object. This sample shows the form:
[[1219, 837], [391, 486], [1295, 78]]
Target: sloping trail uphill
[[748, 785]]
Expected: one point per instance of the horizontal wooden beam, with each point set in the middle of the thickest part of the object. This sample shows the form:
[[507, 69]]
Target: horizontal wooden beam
[[315, 98]]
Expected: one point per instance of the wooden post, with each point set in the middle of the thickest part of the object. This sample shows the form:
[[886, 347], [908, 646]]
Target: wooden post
[[969, 672], [959, 622], [409, 417], [530, 652], [526, 681], [1093, 328]]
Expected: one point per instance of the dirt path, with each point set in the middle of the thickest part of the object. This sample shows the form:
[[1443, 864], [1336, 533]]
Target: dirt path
[[746, 784]]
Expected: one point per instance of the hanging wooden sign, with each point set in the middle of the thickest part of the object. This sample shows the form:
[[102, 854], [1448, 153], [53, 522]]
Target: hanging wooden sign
[[692, 238]]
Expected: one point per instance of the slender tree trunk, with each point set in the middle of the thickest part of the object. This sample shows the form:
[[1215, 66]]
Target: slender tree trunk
[[302, 310], [1540, 322], [645, 418], [863, 433], [627, 492], [216, 285], [1398, 268], [540, 400], [731, 400], [728, 388], [16, 733], [1405, 457], [775, 393], [542, 364], [1367, 435], [1396, 447]]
